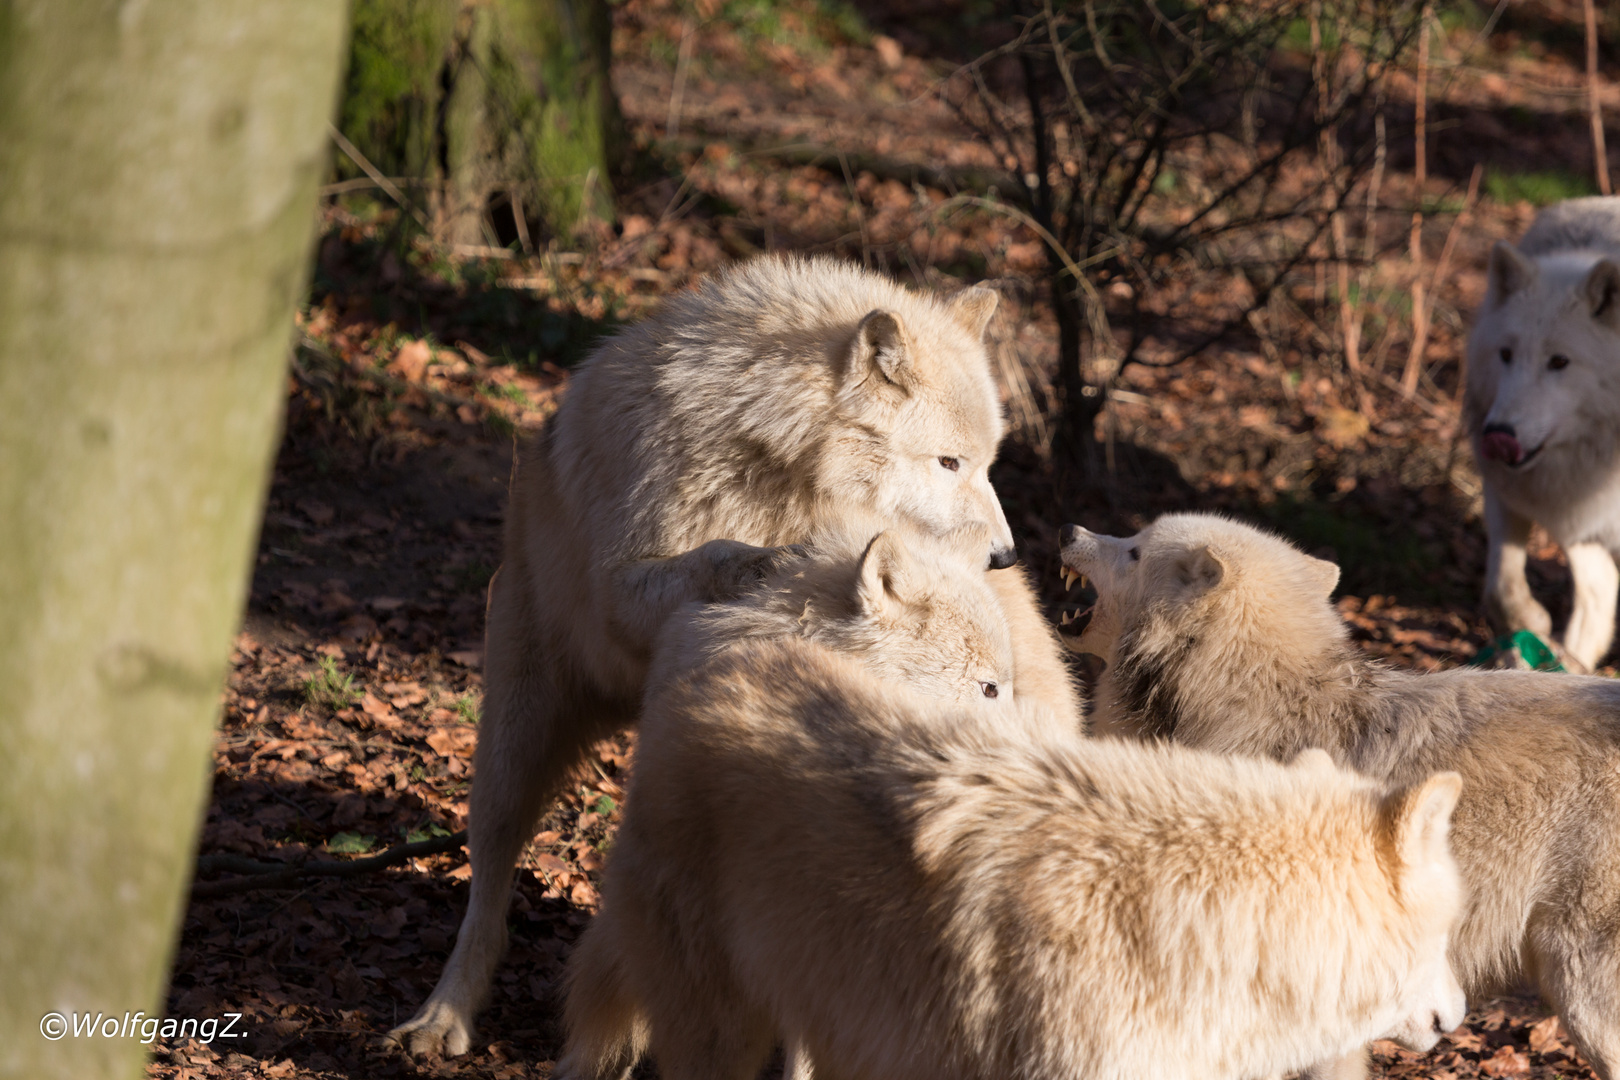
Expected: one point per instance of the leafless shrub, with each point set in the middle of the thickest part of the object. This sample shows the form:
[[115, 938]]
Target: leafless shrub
[[1183, 163]]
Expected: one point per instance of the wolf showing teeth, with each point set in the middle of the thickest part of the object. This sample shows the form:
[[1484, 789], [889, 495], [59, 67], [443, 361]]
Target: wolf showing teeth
[[1542, 402], [914, 886], [1221, 636]]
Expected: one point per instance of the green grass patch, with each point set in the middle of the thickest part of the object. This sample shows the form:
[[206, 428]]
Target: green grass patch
[[330, 687], [351, 843], [1537, 188], [466, 708]]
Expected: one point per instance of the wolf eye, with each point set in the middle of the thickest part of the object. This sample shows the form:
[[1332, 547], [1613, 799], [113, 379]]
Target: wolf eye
[[990, 689], [1135, 554], [1558, 362], [1507, 356], [950, 463]]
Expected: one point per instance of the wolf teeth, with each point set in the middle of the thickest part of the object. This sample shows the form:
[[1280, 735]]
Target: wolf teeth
[[1069, 578], [1068, 617]]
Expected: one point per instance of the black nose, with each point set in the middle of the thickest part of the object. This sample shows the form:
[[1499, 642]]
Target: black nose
[[1067, 534], [1002, 558], [1500, 429]]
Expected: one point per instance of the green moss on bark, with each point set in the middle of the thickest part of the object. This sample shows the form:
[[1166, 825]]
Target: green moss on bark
[[477, 97]]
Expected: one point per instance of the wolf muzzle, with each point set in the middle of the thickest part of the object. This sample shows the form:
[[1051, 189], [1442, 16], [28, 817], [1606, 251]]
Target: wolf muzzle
[[1001, 558]]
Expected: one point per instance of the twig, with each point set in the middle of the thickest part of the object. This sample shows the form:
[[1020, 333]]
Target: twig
[[1420, 170], [376, 175], [360, 183], [263, 875], [521, 222], [855, 204], [672, 123], [1600, 155]]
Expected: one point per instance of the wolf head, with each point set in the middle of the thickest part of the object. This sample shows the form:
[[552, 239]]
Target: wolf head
[[920, 419], [911, 607], [1544, 356], [1412, 838], [1196, 598]]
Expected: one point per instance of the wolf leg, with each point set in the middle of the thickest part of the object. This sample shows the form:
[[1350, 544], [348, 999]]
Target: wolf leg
[[607, 1033], [1591, 623], [730, 1048], [1576, 956], [537, 721], [1508, 601]]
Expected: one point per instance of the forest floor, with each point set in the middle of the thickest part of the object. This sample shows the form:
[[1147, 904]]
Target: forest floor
[[350, 715]]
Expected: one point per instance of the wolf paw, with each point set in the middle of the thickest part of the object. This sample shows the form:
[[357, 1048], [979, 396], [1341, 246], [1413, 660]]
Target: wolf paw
[[438, 1030]]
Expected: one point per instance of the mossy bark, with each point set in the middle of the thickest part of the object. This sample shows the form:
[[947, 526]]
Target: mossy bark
[[476, 98], [158, 173]]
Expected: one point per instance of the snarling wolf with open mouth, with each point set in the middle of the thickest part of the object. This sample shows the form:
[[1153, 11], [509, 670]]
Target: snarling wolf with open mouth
[[941, 886], [1221, 636]]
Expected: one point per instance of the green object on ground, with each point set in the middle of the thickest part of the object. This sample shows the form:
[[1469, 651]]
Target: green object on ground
[[1535, 653]]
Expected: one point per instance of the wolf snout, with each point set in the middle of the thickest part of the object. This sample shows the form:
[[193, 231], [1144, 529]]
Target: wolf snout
[[1501, 443], [1001, 558], [1069, 534]]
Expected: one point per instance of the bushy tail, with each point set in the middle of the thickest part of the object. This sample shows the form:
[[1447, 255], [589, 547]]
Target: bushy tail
[[607, 1033]]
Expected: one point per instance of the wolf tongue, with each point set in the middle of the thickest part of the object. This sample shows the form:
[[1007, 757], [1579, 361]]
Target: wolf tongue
[[1500, 446]]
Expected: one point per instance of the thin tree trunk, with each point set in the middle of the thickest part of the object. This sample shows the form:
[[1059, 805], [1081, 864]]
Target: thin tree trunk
[[1600, 155], [158, 169], [1420, 171]]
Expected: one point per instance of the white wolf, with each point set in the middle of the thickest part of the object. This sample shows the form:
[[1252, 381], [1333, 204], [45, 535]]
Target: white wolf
[[1543, 408], [913, 610], [747, 412], [1221, 636], [908, 889]]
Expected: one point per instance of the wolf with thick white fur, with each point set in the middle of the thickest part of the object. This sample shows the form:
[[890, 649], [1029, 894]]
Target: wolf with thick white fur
[[1542, 404], [912, 610], [908, 889], [746, 412], [1221, 636]]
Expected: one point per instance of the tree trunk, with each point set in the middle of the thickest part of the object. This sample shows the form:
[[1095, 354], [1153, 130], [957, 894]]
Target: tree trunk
[[158, 169], [481, 98]]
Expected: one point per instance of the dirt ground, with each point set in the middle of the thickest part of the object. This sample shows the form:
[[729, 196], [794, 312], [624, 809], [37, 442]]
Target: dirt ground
[[350, 714]]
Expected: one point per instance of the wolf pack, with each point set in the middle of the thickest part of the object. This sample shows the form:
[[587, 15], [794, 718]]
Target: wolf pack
[[871, 820]]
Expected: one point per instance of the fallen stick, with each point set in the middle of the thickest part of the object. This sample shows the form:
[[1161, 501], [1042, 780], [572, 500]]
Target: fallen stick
[[267, 875]]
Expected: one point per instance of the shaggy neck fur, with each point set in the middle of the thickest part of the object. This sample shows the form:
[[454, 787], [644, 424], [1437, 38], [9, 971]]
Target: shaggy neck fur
[[1251, 683]]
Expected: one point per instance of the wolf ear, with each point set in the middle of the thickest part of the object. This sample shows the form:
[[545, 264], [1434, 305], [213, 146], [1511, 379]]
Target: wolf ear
[[880, 347], [1200, 568], [972, 308], [1602, 289], [1323, 574], [1416, 820], [1508, 272], [884, 578]]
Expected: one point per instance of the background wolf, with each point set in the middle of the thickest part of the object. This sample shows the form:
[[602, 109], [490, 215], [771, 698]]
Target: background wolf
[[1542, 405], [909, 891], [744, 413], [1221, 636]]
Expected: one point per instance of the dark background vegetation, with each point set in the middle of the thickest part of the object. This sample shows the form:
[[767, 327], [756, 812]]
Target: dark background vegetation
[[1232, 345]]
